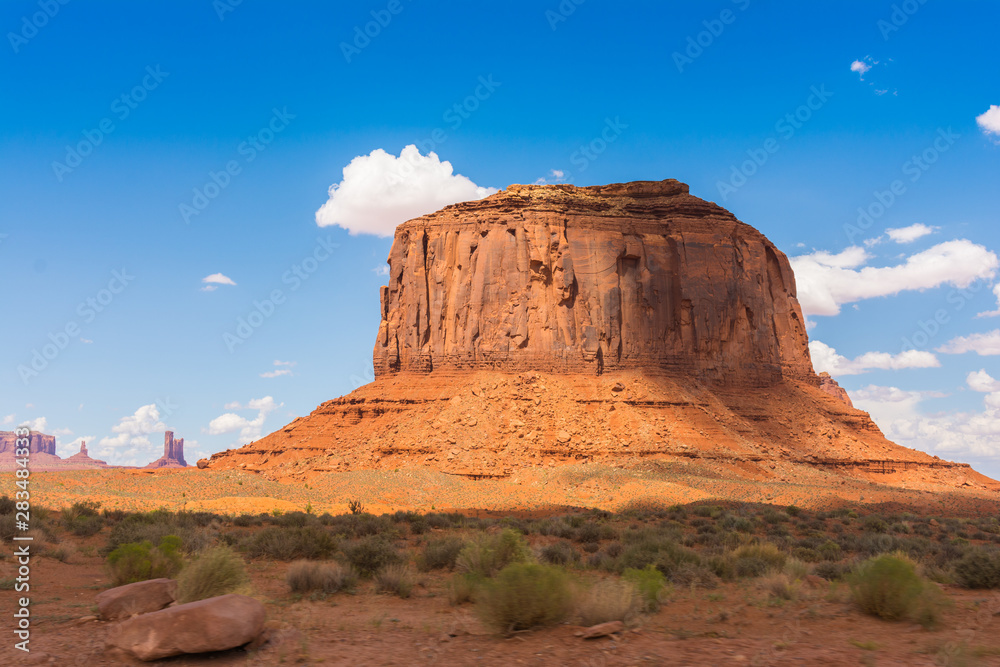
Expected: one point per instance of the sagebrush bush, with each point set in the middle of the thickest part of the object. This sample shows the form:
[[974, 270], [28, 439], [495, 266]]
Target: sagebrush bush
[[216, 571], [306, 576], [440, 554], [889, 587], [370, 554], [525, 596], [558, 553], [395, 579], [608, 600], [978, 569], [650, 584], [462, 587], [756, 560], [129, 563], [488, 554], [290, 543], [7, 505]]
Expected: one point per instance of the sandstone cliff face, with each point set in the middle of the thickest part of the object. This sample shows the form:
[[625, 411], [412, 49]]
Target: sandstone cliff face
[[39, 443], [828, 385], [173, 453], [553, 324], [588, 280]]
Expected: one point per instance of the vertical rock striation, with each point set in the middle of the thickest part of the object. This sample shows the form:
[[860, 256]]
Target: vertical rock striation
[[587, 280]]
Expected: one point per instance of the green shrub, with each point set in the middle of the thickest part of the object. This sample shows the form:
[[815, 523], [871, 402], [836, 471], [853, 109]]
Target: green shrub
[[371, 554], [462, 587], [440, 554], [524, 596], [216, 571], [875, 524], [290, 543], [650, 584], [755, 560], [305, 576], [978, 569], [559, 553], [489, 554], [140, 561], [889, 587], [606, 601], [396, 579], [8, 527], [7, 505]]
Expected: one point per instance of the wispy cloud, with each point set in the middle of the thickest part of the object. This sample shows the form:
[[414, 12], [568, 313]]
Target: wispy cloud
[[213, 281], [989, 122]]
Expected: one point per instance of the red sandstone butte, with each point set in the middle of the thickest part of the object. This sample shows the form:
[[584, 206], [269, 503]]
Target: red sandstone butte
[[555, 324], [173, 453]]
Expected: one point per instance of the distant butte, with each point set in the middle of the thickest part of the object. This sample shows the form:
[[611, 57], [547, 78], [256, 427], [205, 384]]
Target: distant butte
[[546, 325], [173, 453]]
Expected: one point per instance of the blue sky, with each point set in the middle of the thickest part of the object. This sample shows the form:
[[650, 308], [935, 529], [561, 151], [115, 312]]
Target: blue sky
[[145, 147]]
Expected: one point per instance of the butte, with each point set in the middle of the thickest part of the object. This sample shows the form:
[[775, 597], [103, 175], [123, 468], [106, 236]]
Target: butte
[[622, 324]]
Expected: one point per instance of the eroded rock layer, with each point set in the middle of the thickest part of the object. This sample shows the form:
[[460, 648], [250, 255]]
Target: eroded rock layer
[[613, 324], [589, 280]]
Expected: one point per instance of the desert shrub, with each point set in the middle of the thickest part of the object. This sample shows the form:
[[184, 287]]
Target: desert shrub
[[782, 587], [773, 516], [462, 587], [371, 554], [793, 510], [650, 584], [355, 506], [588, 533], [216, 571], [559, 553], [978, 569], [113, 516], [796, 569], [665, 554], [305, 576], [744, 525], [8, 527], [755, 560], [713, 511], [608, 600], [82, 525], [129, 563], [829, 550], [440, 554], [7, 505], [889, 587], [524, 596], [807, 555], [875, 524], [831, 571], [290, 543], [395, 579], [490, 554], [694, 575]]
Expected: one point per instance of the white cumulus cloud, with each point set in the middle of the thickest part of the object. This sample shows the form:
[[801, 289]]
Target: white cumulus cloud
[[826, 358], [911, 233], [993, 313], [380, 191], [951, 434], [131, 444], [249, 429], [827, 281], [984, 344], [861, 68], [989, 121], [982, 381], [213, 281]]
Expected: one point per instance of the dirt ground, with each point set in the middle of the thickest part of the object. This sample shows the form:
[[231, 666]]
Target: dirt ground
[[734, 624]]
